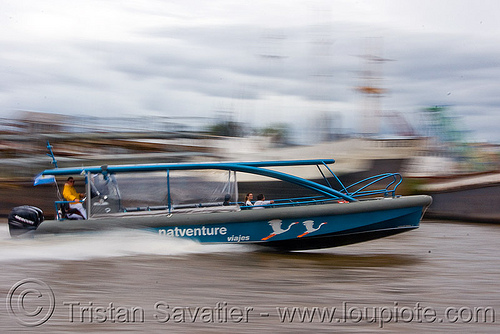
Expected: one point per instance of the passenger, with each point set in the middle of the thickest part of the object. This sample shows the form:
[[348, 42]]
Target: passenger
[[227, 198], [71, 195], [248, 199], [261, 200]]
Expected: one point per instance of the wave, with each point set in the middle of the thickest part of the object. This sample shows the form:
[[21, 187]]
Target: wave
[[107, 244]]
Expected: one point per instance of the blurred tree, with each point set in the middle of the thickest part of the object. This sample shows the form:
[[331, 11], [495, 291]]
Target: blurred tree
[[227, 129], [278, 133]]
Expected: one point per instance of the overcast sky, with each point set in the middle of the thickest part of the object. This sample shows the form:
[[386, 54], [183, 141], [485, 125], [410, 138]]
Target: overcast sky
[[259, 61]]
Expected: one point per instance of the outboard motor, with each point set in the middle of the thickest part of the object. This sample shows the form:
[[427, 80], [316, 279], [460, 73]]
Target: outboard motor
[[23, 219]]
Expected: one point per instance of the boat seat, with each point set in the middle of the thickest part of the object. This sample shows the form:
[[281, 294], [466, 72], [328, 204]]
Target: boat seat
[[67, 212]]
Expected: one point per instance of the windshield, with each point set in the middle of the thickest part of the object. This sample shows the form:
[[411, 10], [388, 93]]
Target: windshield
[[161, 190]]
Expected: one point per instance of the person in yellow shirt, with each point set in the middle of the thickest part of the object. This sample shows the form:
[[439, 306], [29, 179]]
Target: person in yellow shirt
[[70, 194]]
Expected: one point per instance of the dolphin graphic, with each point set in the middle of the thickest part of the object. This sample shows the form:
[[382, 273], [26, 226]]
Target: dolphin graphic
[[309, 224], [276, 226]]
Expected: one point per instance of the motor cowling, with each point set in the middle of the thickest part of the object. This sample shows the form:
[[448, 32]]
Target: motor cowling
[[23, 219]]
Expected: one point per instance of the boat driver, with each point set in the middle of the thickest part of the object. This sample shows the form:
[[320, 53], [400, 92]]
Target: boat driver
[[71, 195]]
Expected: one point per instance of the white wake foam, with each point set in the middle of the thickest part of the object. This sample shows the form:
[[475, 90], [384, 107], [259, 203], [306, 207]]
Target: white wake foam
[[102, 245]]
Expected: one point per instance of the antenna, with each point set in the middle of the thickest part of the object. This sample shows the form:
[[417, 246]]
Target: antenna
[[51, 154]]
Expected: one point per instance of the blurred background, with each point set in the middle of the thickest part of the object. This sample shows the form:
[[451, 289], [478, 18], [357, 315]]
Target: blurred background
[[379, 86]]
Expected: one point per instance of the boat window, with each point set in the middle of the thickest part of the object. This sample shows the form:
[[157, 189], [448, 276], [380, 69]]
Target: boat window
[[199, 188], [155, 191], [142, 191]]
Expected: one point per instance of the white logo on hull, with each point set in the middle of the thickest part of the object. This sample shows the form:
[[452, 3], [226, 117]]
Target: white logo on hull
[[276, 226]]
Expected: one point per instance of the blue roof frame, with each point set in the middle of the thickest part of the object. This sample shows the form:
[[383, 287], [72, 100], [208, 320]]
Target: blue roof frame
[[181, 166], [245, 167]]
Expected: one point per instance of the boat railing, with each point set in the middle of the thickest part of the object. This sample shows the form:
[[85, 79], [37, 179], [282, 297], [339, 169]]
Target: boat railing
[[173, 207], [393, 179], [145, 208], [309, 200], [362, 188]]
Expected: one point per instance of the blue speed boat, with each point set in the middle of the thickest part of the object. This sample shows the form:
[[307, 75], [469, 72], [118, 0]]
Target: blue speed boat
[[201, 201]]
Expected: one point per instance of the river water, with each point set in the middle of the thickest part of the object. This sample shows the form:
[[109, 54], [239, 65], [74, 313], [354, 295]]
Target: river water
[[442, 277]]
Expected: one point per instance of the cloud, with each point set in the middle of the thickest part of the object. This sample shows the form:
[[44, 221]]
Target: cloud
[[263, 61]]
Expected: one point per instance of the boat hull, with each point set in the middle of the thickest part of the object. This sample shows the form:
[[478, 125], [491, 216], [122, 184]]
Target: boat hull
[[346, 237], [286, 228]]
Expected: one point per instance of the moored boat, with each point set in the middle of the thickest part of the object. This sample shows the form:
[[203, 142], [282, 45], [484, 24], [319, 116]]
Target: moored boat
[[469, 197]]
